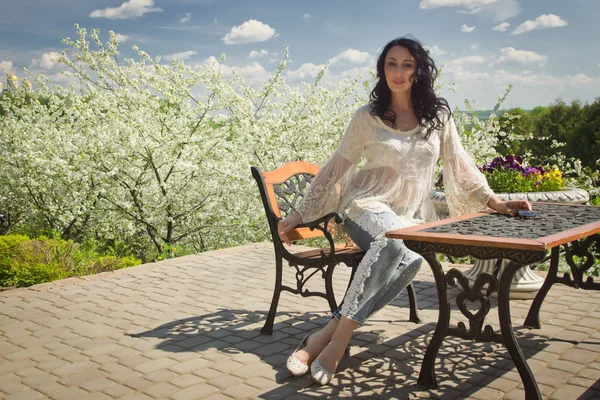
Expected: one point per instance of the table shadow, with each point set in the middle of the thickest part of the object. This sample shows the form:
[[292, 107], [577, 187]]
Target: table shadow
[[378, 367]]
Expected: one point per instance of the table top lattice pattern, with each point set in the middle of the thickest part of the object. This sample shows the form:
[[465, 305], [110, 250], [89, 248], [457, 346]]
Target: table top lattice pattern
[[550, 219]]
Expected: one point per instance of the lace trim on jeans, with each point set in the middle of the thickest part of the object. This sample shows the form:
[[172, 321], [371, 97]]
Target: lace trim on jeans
[[363, 271]]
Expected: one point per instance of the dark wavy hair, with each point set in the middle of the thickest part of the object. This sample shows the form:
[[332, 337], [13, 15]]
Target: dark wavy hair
[[425, 103]]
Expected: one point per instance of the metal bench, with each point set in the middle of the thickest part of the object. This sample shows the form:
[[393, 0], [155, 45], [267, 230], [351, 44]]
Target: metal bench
[[281, 192]]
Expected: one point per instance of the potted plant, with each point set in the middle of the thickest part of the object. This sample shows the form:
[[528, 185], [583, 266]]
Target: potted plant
[[511, 178]]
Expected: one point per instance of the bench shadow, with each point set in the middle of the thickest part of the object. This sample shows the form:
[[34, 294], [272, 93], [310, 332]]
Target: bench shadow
[[379, 366]]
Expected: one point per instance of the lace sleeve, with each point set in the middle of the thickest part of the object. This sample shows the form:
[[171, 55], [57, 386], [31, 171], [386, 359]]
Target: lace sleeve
[[323, 196], [466, 188]]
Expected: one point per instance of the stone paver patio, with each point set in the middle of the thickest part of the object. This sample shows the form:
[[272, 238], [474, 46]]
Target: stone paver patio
[[188, 328]]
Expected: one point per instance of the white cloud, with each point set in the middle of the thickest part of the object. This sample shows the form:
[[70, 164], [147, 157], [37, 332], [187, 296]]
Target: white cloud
[[510, 54], [129, 9], [426, 4], [435, 50], [184, 55], [543, 80], [121, 38], [580, 79], [59, 78], [471, 10], [365, 72], [350, 56], [475, 46], [46, 61], [467, 29], [497, 10], [257, 54], [187, 18], [306, 16], [253, 73], [501, 27], [459, 74], [541, 22], [502, 10], [470, 60], [308, 70], [6, 66], [249, 32]]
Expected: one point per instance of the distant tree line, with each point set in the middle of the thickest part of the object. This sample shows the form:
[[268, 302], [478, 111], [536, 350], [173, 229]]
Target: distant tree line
[[576, 125]]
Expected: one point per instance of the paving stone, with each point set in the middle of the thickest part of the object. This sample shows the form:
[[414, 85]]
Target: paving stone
[[197, 391], [240, 390], [260, 383], [82, 377], [486, 394], [217, 396], [25, 395], [124, 375], [224, 381], [503, 384], [96, 385], [136, 396], [138, 383], [161, 375], [69, 393], [156, 365], [11, 383], [579, 356], [189, 366], [161, 390], [568, 392], [567, 366], [186, 380], [96, 396], [118, 391]]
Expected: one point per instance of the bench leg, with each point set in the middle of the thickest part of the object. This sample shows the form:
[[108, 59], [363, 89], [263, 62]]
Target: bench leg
[[329, 287], [414, 308], [267, 329]]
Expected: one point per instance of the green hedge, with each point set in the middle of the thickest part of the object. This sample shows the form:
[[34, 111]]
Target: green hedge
[[26, 262]]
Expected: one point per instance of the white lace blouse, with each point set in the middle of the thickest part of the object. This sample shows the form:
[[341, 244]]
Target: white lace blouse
[[397, 173]]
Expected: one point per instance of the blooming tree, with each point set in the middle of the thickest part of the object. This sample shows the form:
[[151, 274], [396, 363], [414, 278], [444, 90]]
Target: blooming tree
[[136, 147], [157, 155]]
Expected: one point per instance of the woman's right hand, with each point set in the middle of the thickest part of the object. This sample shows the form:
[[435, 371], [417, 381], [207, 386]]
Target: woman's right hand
[[288, 224]]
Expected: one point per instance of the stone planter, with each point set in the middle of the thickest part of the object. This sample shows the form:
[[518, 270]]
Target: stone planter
[[525, 283]]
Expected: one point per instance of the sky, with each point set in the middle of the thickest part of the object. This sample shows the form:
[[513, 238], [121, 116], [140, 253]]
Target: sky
[[545, 49]]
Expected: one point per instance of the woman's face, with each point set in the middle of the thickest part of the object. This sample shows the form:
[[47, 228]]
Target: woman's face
[[399, 69]]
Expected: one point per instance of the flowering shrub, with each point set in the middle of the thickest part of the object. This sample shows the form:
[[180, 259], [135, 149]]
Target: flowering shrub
[[511, 175]]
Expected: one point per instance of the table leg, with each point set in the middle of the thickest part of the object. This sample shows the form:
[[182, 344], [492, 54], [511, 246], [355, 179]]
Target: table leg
[[533, 316], [510, 342], [427, 375]]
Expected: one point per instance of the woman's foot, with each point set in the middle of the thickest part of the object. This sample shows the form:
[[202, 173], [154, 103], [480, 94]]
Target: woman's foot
[[310, 347], [296, 365], [324, 367]]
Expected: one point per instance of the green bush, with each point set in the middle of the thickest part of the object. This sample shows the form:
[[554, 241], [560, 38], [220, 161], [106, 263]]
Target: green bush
[[27, 274], [26, 262]]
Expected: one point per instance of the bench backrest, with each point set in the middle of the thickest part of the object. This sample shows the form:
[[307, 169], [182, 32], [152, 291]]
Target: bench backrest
[[281, 192]]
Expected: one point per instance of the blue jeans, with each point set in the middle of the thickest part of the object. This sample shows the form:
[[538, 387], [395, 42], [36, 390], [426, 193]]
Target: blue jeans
[[386, 269]]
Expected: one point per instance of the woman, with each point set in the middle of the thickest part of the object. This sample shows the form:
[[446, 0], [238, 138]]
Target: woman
[[401, 134]]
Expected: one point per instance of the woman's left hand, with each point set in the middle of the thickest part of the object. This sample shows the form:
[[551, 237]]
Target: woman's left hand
[[505, 207]]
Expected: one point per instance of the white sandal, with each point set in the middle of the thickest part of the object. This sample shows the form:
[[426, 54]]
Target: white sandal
[[294, 365], [320, 374]]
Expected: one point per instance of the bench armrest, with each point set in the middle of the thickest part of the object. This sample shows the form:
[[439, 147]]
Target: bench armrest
[[322, 224]]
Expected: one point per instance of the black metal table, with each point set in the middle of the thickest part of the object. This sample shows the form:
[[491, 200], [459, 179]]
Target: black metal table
[[490, 235]]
